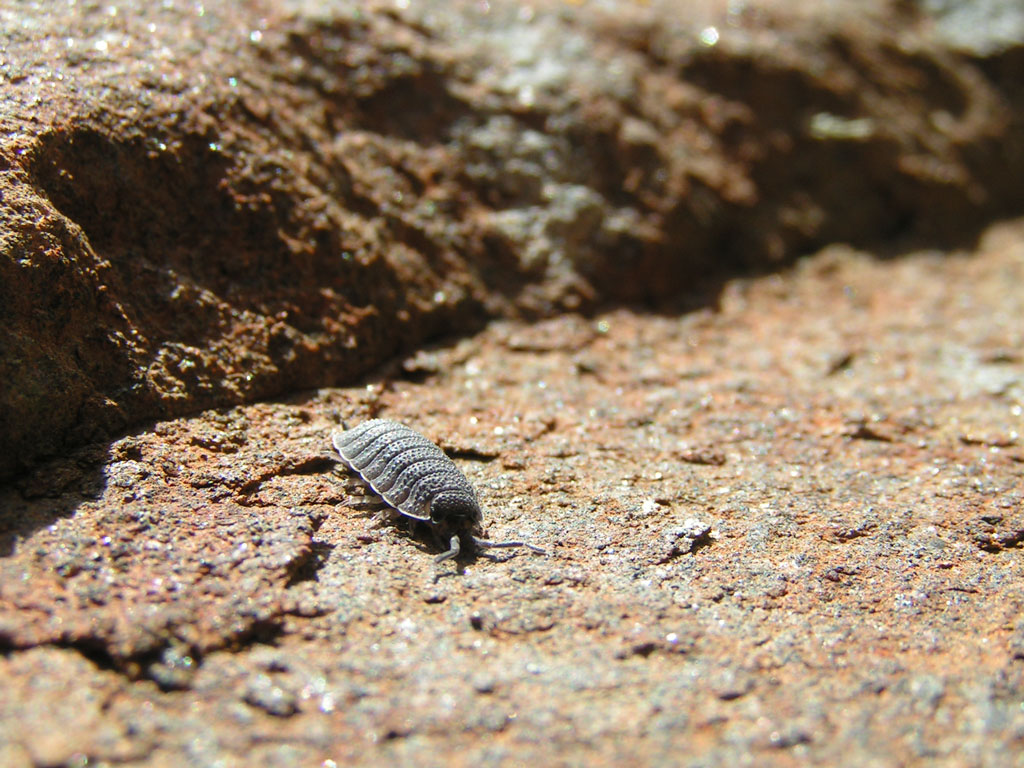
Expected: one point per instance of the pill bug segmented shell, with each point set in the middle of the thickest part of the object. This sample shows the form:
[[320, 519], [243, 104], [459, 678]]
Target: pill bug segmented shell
[[417, 479]]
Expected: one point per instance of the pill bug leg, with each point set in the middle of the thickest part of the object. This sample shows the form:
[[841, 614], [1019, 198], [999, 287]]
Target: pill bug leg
[[368, 506], [361, 498]]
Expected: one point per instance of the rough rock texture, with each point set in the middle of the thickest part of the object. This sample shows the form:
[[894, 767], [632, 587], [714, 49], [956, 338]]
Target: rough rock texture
[[211, 204], [783, 531], [783, 509]]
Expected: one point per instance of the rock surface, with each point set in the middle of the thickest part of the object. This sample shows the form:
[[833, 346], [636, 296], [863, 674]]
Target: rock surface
[[783, 509], [783, 530]]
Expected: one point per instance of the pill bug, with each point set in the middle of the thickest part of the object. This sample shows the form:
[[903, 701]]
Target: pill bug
[[417, 479]]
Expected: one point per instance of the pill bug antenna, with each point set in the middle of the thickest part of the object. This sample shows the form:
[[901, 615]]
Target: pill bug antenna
[[484, 544], [454, 546]]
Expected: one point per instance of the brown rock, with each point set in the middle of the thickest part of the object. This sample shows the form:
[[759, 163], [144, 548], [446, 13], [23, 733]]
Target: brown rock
[[212, 205], [783, 512]]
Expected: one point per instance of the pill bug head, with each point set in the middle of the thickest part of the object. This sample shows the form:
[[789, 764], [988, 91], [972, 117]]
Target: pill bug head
[[452, 509]]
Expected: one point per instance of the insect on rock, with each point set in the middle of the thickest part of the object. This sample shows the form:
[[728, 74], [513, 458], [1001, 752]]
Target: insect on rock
[[417, 479]]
